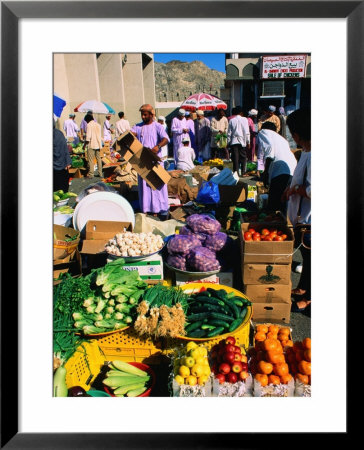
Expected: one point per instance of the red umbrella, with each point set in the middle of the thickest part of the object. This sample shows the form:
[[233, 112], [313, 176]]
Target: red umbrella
[[204, 102]]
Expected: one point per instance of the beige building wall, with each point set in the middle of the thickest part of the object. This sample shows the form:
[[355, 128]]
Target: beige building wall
[[134, 86], [111, 82], [118, 79]]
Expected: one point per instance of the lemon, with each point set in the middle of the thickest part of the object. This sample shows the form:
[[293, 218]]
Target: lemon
[[205, 362], [191, 380], [202, 380], [190, 346], [203, 351], [206, 370], [184, 371], [179, 379], [197, 370]]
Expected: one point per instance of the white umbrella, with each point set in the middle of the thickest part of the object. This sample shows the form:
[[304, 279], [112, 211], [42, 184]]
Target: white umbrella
[[95, 106]]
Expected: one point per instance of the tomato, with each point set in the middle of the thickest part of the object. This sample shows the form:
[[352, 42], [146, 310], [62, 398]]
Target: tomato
[[279, 232], [268, 238], [284, 237], [251, 230], [277, 238], [247, 236], [265, 232], [255, 237], [272, 234], [256, 234]]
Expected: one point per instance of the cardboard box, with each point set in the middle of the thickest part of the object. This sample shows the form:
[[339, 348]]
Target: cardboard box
[[276, 252], [149, 268], [75, 173], [71, 263], [225, 278], [98, 232], [61, 247], [271, 303], [266, 273], [230, 195], [143, 161]]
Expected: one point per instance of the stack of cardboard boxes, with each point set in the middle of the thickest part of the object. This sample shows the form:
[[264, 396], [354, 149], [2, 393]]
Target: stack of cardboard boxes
[[266, 273]]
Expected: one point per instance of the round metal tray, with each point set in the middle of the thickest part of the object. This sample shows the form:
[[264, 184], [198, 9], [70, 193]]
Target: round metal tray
[[197, 274]]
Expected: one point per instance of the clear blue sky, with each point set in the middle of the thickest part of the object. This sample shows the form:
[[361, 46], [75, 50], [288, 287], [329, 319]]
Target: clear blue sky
[[212, 60]]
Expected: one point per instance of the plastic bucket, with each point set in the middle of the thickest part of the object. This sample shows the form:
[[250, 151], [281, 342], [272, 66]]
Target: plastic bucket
[[94, 393]]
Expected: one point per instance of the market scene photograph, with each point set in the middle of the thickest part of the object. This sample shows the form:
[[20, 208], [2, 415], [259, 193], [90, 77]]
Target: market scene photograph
[[182, 225]]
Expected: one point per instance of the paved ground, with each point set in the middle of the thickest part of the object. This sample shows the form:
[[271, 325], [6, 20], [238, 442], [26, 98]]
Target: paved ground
[[299, 322]]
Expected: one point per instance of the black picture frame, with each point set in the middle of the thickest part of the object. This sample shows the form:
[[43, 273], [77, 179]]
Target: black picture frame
[[11, 12]]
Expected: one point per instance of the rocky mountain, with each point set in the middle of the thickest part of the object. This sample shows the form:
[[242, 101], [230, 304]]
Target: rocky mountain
[[177, 80]]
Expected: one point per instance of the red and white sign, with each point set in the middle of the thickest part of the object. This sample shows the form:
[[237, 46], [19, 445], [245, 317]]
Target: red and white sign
[[289, 66]]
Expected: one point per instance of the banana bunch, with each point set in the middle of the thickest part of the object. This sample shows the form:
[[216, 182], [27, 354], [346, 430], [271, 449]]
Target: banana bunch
[[126, 380], [214, 162]]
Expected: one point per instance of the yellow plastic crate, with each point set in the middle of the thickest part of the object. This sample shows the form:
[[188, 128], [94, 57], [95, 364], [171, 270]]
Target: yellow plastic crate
[[241, 334], [84, 365], [129, 346]]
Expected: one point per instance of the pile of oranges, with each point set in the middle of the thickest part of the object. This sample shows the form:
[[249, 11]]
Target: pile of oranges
[[299, 360], [268, 357]]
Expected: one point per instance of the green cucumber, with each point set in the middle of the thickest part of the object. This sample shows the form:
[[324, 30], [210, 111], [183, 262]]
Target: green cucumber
[[219, 323], [197, 333], [220, 316], [211, 300], [198, 316], [193, 326], [234, 325], [238, 303], [243, 313], [215, 332], [207, 327], [233, 307]]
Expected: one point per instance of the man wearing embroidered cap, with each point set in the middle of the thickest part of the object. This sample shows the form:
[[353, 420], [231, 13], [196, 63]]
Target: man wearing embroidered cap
[[108, 128], [186, 155], [179, 130], [152, 135], [71, 129], [270, 117]]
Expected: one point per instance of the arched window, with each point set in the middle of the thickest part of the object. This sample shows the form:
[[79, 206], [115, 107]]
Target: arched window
[[232, 71], [250, 71]]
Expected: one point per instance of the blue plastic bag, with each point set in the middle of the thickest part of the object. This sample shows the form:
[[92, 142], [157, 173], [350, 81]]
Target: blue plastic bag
[[208, 194]]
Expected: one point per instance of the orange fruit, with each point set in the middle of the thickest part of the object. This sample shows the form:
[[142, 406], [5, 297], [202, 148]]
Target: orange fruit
[[270, 344], [302, 378], [260, 336], [287, 344], [304, 367], [307, 355], [275, 357], [281, 369], [274, 379], [262, 329], [285, 331], [306, 343], [271, 335], [262, 378], [283, 343], [285, 379], [273, 329], [279, 348], [265, 367]]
